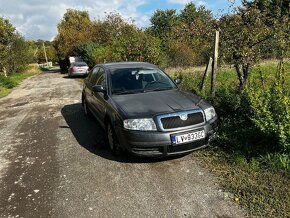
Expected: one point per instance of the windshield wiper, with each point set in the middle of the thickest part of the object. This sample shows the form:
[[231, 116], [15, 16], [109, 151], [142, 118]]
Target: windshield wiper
[[158, 89], [128, 92]]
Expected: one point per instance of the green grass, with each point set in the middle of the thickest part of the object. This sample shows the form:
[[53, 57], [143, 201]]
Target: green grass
[[257, 177], [226, 75], [13, 80], [263, 191]]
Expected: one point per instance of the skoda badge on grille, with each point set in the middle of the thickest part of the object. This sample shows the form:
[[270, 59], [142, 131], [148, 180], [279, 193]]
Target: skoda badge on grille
[[183, 117]]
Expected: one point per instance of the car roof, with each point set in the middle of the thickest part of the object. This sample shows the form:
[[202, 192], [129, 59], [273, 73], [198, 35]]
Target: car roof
[[122, 65]]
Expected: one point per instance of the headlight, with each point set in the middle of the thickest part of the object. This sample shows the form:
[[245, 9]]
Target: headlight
[[140, 124], [209, 113]]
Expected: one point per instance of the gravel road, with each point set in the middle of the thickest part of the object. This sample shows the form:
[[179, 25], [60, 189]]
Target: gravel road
[[53, 163]]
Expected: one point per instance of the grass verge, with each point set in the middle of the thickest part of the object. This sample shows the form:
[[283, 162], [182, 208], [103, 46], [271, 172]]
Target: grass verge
[[13, 80], [264, 191]]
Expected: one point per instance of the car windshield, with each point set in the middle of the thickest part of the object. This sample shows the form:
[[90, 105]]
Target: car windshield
[[134, 80]]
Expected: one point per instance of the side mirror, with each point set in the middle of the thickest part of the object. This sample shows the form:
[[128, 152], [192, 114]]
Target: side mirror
[[177, 81], [99, 88]]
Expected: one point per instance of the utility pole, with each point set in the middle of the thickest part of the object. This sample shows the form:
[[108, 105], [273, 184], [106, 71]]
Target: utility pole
[[215, 60], [45, 53]]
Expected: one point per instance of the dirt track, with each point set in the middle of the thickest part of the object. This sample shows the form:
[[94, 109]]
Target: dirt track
[[53, 163]]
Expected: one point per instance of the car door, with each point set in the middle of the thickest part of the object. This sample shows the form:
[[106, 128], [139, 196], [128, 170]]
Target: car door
[[90, 82], [98, 98]]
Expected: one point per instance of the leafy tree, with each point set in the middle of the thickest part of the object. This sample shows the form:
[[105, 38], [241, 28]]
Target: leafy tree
[[93, 53], [249, 32], [152, 51], [242, 33], [6, 33], [39, 54], [74, 29], [162, 23], [186, 37], [15, 52], [196, 30]]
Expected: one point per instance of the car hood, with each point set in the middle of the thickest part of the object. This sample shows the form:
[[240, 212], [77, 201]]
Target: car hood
[[153, 103]]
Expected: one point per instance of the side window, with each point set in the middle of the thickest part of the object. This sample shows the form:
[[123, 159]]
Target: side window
[[101, 78], [93, 76]]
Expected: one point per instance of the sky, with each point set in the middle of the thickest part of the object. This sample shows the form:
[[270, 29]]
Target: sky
[[38, 19]]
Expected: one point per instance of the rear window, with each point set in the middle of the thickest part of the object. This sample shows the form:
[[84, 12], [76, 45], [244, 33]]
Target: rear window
[[80, 64]]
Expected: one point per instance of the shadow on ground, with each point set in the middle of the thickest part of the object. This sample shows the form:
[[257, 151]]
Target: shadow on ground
[[90, 135], [74, 77]]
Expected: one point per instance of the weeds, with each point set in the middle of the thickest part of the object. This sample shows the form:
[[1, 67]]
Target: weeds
[[251, 152]]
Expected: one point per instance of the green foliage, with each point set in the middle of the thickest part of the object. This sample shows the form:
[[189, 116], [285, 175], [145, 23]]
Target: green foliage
[[251, 183], [8, 82], [39, 54], [152, 51], [244, 118], [162, 23], [277, 161], [271, 111], [74, 29], [15, 52], [93, 53], [186, 38]]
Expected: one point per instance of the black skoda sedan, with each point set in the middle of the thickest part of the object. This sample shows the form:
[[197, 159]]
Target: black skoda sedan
[[144, 112]]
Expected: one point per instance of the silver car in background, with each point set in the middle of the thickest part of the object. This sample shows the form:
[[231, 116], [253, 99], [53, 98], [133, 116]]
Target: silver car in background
[[78, 69]]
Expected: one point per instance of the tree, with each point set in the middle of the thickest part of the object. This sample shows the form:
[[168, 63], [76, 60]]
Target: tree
[[6, 33], [196, 30], [74, 29], [186, 37], [162, 23], [15, 52], [242, 34], [252, 30]]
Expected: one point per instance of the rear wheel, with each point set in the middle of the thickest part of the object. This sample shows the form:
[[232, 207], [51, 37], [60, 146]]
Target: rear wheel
[[112, 140]]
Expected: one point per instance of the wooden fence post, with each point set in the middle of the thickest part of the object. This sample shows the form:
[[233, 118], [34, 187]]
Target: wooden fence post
[[209, 65], [215, 60]]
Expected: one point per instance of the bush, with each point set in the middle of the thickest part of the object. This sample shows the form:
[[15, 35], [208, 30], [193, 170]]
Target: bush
[[270, 110]]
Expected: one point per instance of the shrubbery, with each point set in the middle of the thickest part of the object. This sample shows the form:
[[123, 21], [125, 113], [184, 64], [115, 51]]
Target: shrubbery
[[270, 110], [15, 52], [254, 124]]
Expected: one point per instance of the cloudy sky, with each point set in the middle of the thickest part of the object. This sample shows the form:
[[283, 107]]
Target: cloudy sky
[[37, 19]]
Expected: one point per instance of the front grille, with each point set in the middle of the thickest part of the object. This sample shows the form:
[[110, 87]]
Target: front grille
[[186, 147], [174, 121]]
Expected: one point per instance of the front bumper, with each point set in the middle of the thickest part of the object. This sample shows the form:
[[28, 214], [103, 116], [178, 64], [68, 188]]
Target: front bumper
[[158, 144]]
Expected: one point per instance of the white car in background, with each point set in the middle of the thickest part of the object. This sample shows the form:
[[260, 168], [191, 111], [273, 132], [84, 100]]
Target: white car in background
[[78, 69]]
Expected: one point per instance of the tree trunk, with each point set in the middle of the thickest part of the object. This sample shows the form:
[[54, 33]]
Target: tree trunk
[[240, 75], [243, 76], [246, 70]]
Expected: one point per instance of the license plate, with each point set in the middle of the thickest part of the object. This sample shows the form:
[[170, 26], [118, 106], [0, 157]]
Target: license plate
[[187, 137]]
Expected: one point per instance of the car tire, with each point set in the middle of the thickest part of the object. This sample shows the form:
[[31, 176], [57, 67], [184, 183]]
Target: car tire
[[85, 106], [112, 140]]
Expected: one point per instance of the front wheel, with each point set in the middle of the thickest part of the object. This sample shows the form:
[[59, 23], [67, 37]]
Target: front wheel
[[112, 140], [86, 110]]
